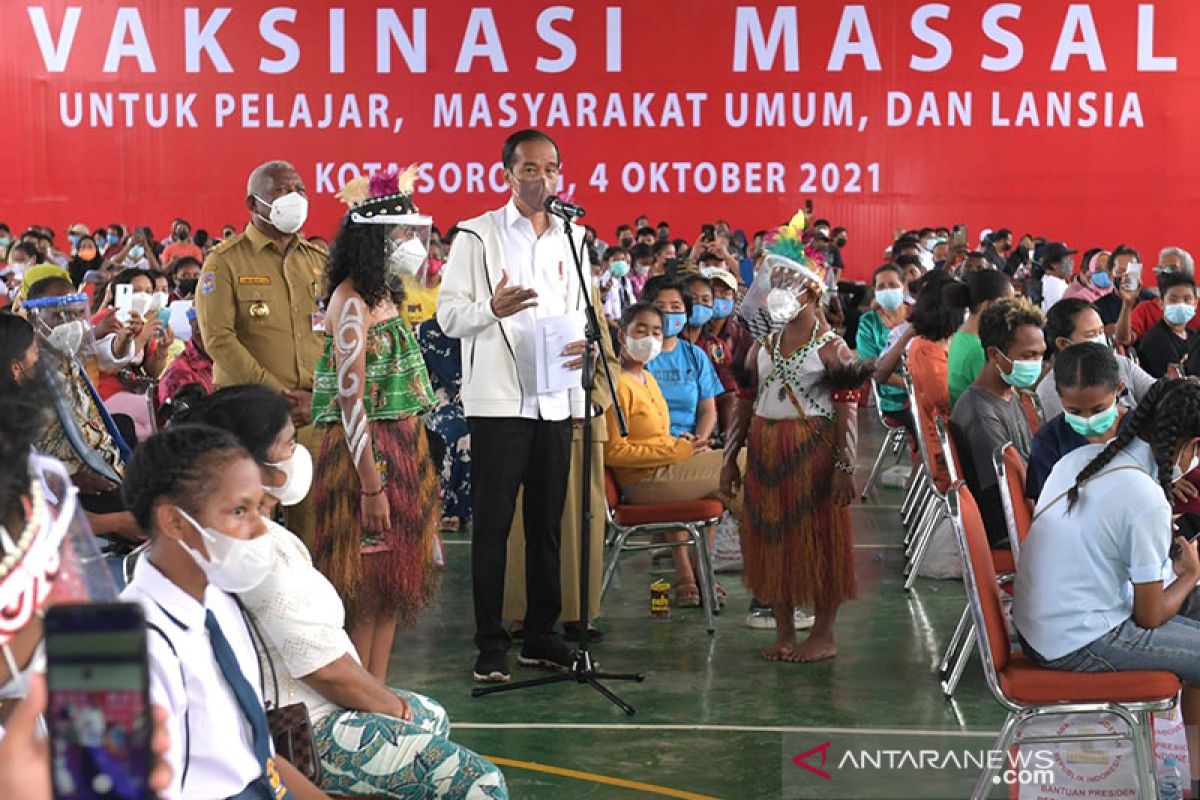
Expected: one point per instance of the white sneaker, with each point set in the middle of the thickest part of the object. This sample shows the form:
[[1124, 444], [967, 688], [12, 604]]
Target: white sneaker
[[763, 619]]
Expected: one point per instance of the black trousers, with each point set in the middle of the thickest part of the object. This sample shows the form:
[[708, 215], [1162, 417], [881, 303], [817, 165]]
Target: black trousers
[[507, 454]]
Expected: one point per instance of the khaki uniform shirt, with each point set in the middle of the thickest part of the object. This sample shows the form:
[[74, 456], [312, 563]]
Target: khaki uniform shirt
[[256, 306]]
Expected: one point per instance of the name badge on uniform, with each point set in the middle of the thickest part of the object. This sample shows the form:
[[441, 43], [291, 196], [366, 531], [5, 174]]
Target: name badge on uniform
[[254, 280], [318, 322]]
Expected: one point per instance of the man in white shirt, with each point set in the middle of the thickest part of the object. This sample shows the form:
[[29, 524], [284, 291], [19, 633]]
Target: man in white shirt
[[508, 269], [1058, 266]]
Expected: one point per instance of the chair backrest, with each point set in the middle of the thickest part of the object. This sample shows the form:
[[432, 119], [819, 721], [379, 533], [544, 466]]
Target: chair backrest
[[915, 409], [979, 577], [879, 404], [1031, 404], [1010, 474], [612, 492], [949, 453]]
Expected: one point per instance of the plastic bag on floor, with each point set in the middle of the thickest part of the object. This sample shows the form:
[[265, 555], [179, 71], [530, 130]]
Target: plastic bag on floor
[[1093, 769], [942, 561], [727, 545]]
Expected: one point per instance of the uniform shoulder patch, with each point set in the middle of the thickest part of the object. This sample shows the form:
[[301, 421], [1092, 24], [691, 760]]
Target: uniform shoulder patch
[[208, 283]]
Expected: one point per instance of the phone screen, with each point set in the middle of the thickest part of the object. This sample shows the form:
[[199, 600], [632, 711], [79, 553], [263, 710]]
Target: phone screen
[[99, 711]]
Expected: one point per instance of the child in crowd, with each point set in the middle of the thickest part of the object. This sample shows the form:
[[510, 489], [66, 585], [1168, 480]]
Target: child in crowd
[[1091, 593], [1088, 383], [1171, 343], [990, 413], [965, 358], [801, 434]]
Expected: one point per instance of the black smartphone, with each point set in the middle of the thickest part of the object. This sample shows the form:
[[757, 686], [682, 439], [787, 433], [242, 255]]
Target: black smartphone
[[98, 712], [1188, 526], [708, 233], [808, 207]]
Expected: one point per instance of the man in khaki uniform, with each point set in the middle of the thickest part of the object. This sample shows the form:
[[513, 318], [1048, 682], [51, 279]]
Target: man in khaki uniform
[[256, 304], [514, 583]]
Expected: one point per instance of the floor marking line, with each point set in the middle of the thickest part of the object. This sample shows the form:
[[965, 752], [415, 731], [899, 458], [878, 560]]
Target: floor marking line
[[594, 778], [605, 726]]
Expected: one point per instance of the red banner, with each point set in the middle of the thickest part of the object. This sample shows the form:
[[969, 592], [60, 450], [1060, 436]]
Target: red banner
[[1067, 119]]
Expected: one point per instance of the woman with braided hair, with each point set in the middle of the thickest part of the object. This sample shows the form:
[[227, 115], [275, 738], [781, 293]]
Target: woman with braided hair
[[1092, 593]]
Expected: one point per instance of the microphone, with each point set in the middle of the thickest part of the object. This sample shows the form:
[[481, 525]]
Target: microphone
[[561, 208]]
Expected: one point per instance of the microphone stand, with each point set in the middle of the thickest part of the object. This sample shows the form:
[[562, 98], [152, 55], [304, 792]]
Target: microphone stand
[[583, 669]]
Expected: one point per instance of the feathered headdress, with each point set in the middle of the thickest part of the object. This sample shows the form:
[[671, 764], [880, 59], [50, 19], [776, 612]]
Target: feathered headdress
[[382, 197], [787, 248]]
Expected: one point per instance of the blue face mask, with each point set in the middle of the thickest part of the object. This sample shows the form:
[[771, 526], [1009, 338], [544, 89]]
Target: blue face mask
[[1102, 280], [1179, 313], [700, 315], [74, 239], [619, 269], [1095, 425], [722, 307], [136, 252], [890, 299], [673, 322], [1023, 373], [112, 238]]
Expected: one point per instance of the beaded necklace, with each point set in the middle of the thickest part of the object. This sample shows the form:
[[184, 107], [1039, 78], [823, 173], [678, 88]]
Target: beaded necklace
[[787, 371]]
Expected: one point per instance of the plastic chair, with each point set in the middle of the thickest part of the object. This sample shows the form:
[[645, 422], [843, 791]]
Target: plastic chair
[[693, 517], [893, 440], [1010, 473], [1029, 692], [932, 507], [1035, 414]]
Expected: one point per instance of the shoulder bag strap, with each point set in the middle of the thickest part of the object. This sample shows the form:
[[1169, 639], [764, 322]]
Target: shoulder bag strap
[[1046, 508]]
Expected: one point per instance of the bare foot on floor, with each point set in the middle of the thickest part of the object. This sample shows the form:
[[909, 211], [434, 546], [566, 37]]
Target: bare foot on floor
[[780, 651], [815, 650]]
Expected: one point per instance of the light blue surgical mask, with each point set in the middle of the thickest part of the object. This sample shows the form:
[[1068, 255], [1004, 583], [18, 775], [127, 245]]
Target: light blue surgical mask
[[673, 322], [619, 269], [1179, 313], [722, 307], [1102, 280], [890, 299], [73, 238], [700, 315], [136, 252], [1023, 373], [1095, 425], [112, 238]]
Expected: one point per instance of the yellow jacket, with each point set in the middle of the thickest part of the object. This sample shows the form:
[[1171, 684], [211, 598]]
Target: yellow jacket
[[650, 443]]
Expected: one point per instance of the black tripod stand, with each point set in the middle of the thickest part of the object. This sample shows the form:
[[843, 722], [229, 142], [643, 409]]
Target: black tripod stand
[[583, 669]]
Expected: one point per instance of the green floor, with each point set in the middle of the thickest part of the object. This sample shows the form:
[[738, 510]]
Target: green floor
[[713, 719]]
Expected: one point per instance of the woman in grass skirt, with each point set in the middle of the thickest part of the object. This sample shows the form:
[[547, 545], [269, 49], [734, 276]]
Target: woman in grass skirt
[[798, 421], [377, 492]]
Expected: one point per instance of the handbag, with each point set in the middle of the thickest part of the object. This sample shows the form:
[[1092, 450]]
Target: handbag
[[291, 727]]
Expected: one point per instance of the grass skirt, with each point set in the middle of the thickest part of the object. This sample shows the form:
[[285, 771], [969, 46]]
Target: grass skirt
[[401, 574], [797, 545]]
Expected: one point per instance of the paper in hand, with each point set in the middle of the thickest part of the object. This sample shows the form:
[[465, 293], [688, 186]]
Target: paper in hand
[[553, 335]]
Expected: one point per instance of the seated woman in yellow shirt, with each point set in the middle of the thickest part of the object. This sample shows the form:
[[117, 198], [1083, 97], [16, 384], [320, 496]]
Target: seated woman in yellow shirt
[[651, 465]]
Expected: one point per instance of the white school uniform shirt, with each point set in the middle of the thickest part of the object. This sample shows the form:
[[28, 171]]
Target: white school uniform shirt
[[188, 683], [1077, 570], [544, 264]]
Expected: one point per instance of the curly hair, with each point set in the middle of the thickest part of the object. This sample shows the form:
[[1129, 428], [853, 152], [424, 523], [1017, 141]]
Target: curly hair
[[999, 324], [359, 254], [1167, 415], [183, 463], [255, 414]]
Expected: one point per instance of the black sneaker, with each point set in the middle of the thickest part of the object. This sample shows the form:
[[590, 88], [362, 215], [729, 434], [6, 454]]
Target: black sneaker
[[571, 631], [492, 668], [548, 653]]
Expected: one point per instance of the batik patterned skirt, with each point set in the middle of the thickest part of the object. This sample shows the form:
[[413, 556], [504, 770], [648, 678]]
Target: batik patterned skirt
[[374, 755], [797, 545], [405, 561]]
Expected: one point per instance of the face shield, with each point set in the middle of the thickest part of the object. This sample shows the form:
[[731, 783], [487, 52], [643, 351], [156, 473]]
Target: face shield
[[782, 288], [53, 559], [63, 324], [407, 247]]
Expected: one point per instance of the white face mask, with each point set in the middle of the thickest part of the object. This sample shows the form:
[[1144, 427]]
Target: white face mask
[[1099, 338], [298, 472], [782, 305], [234, 565], [1177, 472], [406, 258], [159, 300], [643, 348], [67, 338], [140, 302], [288, 213]]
